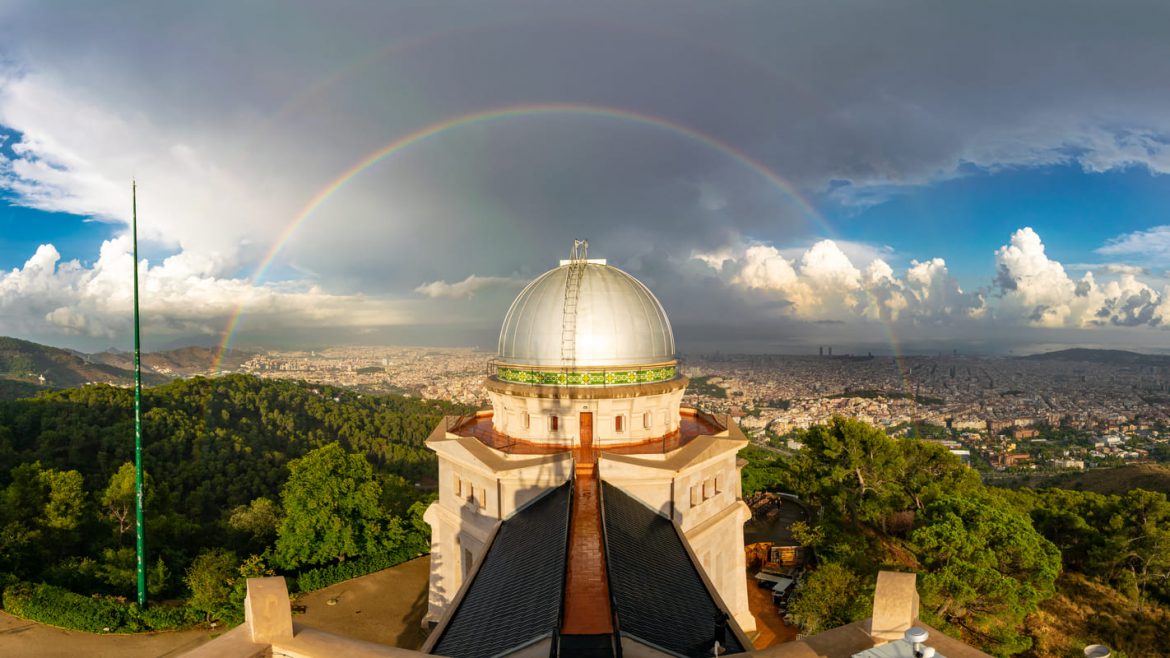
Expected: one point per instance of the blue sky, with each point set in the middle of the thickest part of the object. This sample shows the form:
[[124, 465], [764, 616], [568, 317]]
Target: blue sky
[[966, 219], [988, 175]]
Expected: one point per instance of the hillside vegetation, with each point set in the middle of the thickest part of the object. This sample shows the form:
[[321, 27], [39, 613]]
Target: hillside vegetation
[[224, 457], [989, 560], [1117, 480], [22, 361]]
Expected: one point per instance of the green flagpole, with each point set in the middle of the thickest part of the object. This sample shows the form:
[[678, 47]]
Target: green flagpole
[[138, 497]]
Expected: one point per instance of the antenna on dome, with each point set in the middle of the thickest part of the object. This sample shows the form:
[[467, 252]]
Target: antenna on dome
[[580, 251]]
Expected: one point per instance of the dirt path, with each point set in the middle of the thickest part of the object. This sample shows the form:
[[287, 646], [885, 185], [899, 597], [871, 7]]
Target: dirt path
[[385, 607], [19, 638]]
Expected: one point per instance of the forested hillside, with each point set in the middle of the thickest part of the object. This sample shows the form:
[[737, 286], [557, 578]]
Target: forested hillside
[[31, 363], [1032, 573], [221, 455]]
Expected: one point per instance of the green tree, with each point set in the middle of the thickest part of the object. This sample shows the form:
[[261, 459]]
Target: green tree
[[829, 598], [332, 510], [854, 470], [118, 499], [65, 505], [257, 520], [986, 569], [211, 577]]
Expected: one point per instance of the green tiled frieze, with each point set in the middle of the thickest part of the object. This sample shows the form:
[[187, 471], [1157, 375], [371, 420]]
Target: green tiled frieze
[[586, 377]]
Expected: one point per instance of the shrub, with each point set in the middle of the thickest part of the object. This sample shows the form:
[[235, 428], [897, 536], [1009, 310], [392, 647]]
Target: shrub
[[57, 606], [315, 579], [60, 607]]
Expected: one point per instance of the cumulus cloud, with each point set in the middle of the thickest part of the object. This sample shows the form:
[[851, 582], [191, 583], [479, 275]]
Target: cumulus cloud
[[466, 288], [178, 297], [823, 284], [1037, 290], [1030, 289]]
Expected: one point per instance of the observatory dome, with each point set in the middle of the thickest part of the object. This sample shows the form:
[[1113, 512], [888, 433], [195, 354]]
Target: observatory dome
[[586, 315]]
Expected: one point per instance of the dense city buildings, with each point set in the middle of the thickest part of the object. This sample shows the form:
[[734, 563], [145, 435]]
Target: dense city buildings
[[1011, 412]]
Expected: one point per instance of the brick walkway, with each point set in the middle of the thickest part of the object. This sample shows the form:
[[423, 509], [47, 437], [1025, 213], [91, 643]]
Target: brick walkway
[[587, 610]]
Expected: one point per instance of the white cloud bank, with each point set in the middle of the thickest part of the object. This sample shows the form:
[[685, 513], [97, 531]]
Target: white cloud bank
[[1030, 288], [179, 297], [467, 288]]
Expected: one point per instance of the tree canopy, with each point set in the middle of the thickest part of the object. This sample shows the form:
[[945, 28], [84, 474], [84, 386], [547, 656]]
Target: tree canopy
[[332, 510]]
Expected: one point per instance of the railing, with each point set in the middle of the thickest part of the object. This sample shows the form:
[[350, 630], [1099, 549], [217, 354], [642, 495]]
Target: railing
[[468, 426], [584, 376]]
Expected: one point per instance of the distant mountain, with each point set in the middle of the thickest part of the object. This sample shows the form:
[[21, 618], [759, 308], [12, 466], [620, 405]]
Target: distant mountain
[[181, 362], [27, 367], [1103, 356], [41, 365]]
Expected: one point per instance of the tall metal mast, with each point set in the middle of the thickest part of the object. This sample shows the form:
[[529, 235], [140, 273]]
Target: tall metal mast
[[139, 504]]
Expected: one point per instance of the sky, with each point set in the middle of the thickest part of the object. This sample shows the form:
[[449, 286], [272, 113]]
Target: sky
[[895, 177]]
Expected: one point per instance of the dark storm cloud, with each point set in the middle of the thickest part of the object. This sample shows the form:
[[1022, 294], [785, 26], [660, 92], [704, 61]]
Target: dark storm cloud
[[263, 104]]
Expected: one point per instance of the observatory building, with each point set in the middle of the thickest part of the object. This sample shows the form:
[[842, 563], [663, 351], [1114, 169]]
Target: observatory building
[[587, 508], [588, 513]]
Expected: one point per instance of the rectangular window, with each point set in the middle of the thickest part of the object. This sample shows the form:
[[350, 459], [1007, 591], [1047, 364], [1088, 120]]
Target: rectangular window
[[482, 498], [527, 420], [646, 420], [458, 486], [706, 489], [553, 423], [696, 495], [618, 421], [718, 484], [470, 492]]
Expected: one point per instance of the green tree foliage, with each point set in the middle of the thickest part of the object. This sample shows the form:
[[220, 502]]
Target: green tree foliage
[[66, 499], [764, 470], [42, 509], [881, 502], [1121, 540], [854, 470], [210, 578], [118, 499], [986, 569], [830, 597], [257, 522], [218, 452], [332, 510]]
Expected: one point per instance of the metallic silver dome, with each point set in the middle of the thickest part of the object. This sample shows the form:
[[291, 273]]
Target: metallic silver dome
[[617, 321]]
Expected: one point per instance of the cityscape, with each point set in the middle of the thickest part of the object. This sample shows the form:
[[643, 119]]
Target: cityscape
[[998, 413]]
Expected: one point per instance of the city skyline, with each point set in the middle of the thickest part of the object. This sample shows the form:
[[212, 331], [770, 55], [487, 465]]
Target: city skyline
[[888, 179]]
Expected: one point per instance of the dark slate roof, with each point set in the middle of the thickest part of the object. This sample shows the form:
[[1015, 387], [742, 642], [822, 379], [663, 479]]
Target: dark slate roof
[[661, 598], [516, 594]]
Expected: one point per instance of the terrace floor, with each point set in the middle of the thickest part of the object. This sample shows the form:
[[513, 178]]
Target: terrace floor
[[691, 425]]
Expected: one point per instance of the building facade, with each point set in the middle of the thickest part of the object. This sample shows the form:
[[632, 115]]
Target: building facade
[[586, 393]]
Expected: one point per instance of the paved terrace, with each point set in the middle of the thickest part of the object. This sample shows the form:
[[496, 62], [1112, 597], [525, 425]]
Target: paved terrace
[[692, 423]]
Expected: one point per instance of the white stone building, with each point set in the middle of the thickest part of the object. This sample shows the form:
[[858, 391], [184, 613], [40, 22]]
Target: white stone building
[[586, 390]]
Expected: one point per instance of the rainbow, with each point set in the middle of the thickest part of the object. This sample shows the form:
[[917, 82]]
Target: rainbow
[[498, 114]]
